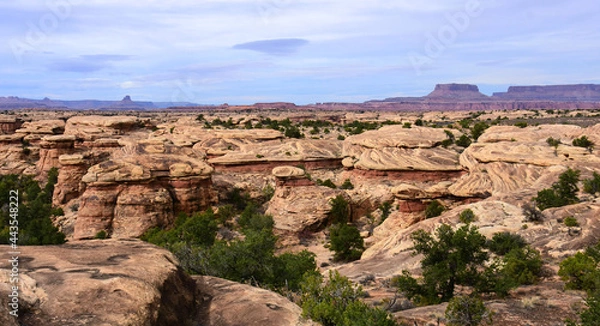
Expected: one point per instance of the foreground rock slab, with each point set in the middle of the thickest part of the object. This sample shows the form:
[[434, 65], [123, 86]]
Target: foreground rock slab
[[99, 283]]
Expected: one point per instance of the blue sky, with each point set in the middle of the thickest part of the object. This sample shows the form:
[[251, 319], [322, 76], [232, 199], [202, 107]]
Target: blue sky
[[302, 51]]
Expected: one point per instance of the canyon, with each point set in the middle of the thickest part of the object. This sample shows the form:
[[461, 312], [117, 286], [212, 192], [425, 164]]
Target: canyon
[[126, 172]]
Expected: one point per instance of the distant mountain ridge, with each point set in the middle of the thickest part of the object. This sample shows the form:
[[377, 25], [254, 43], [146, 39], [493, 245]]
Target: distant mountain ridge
[[126, 103]]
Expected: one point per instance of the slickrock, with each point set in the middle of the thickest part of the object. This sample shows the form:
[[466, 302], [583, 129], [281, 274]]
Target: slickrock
[[92, 127], [100, 283], [233, 304], [391, 251], [143, 186], [394, 148], [508, 158], [14, 156], [313, 154], [35, 130]]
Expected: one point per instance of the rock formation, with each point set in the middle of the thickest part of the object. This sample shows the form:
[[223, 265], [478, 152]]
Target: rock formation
[[457, 92], [565, 93], [143, 186]]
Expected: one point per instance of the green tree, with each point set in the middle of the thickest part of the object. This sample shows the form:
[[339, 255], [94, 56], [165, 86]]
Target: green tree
[[450, 260], [592, 186], [522, 265], [467, 216], [503, 242], [590, 315], [478, 129], [580, 272], [563, 192], [346, 242], [434, 209], [347, 185], [336, 302], [583, 141], [467, 311], [340, 210], [463, 141]]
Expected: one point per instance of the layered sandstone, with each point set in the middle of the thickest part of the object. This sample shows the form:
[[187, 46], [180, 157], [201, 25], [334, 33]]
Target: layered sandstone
[[92, 127], [311, 153], [143, 186], [51, 148], [35, 130]]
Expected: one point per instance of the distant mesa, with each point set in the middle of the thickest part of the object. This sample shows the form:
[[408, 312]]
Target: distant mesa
[[566, 93], [457, 92]]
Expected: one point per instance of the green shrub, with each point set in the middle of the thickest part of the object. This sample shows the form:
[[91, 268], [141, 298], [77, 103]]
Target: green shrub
[[478, 129], [583, 141], [503, 242], [34, 210], [386, 209], [523, 265], [406, 125], [345, 242], [434, 209], [463, 141], [570, 221], [336, 302], [521, 124], [580, 272], [419, 122], [101, 235], [340, 210], [327, 183], [347, 185], [563, 192], [467, 311], [467, 216], [341, 137], [553, 142], [592, 186], [591, 314]]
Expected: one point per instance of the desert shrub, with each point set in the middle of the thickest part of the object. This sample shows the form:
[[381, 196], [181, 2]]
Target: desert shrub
[[460, 257], [238, 198], [340, 210], [34, 210], [467, 216], [419, 122], [521, 124], [252, 219], [347, 185], [532, 213], [434, 209], [522, 265], [386, 209], [346, 242], [341, 137], [503, 242], [590, 315], [580, 272], [327, 183], [336, 302], [293, 132], [583, 141], [563, 192], [592, 186], [570, 221], [101, 235], [478, 129], [467, 311], [463, 141], [407, 125], [553, 142]]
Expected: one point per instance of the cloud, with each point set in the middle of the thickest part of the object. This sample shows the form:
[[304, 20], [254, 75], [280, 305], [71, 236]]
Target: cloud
[[88, 63], [284, 46]]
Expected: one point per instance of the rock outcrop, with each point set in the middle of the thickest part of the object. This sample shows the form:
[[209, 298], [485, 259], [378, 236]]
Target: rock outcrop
[[312, 154], [35, 130], [15, 157], [92, 127], [296, 209], [143, 186], [51, 148], [9, 123], [566, 93], [233, 304], [100, 283], [395, 152]]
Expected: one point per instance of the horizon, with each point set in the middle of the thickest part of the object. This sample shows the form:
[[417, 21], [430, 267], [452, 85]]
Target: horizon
[[306, 52]]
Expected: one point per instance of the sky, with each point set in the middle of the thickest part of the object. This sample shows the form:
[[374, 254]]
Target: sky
[[302, 51]]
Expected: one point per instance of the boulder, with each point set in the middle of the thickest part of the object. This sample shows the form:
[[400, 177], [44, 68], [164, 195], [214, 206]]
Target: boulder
[[233, 304], [101, 283]]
